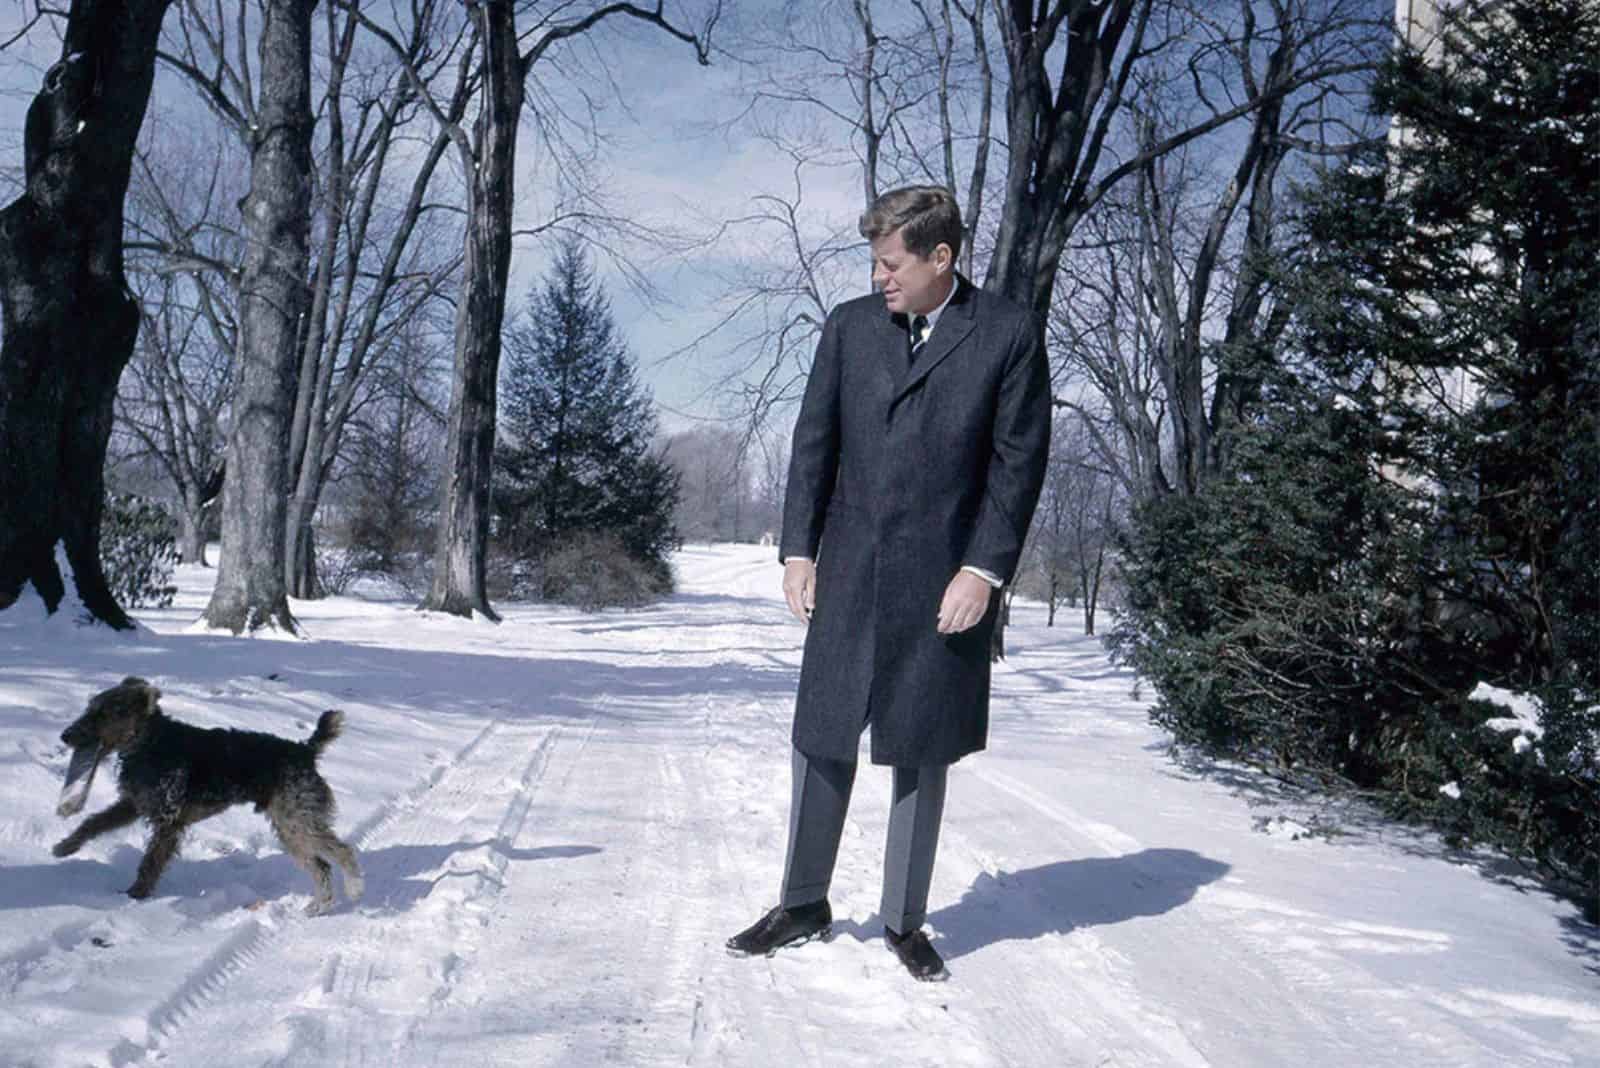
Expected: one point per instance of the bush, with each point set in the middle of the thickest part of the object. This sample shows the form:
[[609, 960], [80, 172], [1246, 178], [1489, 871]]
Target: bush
[[1281, 616], [590, 571], [338, 568], [1524, 778], [138, 551], [1271, 612]]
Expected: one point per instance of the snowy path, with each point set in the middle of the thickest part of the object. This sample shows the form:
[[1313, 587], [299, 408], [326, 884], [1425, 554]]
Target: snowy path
[[561, 818]]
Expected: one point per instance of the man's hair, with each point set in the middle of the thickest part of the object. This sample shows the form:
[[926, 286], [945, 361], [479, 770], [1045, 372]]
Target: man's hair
[[927, 216]]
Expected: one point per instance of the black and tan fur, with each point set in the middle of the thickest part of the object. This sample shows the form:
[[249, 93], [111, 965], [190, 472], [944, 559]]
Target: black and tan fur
[[173, 775]]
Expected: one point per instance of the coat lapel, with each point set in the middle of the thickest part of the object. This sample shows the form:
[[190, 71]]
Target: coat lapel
[[955, 323], [891, 344]]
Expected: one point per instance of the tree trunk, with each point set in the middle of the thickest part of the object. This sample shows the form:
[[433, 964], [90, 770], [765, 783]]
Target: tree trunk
[[191, 521], [329, 403], [1054, 134], [70, 322], [250, 592], [459, 585]]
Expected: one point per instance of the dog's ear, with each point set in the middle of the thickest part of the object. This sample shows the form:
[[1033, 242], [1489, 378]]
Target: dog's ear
[[150, 694]]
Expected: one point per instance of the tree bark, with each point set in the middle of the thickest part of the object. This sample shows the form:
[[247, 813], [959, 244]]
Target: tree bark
[[250, 592], [344, 323], [459, 585], [70, 321], [1055, 134]]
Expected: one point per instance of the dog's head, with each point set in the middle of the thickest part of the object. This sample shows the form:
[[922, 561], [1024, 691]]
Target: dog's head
[[114, 717]]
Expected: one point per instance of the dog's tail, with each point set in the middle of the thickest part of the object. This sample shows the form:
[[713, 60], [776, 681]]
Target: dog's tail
[[329, 726]]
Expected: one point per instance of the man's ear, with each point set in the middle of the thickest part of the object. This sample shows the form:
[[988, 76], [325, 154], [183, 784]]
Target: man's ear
[[943, 257]]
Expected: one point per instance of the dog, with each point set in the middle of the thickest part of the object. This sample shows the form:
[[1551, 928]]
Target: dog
[[173, 775]]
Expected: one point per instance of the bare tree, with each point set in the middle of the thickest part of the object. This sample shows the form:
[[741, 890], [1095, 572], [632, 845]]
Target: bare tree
[[714, 495], [250, 592], [902, 91], [69, 319], [1103, 335], [173, 398], [487, 156], [387, 477], [1175, 313], [358, 307], [1060, 127], [173, 402], [369, 271]]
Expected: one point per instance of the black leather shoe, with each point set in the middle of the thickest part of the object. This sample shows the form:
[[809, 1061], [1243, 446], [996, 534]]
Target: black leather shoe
[[918, 955], [783, 927]]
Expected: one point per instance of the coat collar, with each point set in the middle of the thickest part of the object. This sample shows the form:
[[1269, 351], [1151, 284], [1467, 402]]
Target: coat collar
[[955, 323]]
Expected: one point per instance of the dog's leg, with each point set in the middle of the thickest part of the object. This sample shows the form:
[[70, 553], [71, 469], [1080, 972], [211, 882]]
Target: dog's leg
[[164, 839], [328, 845], [322, 873], [118, 815], [299, 842]]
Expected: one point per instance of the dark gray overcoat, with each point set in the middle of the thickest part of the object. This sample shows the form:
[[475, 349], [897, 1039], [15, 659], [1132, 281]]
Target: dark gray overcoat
[[897, 479]]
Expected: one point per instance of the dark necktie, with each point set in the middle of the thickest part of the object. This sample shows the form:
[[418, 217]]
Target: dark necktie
[[919, 336]]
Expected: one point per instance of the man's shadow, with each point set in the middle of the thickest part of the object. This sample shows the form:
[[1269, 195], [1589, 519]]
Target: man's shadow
[[1060, 897]]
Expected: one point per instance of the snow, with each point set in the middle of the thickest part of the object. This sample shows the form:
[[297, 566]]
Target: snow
[[562, 817], [1526, 711]]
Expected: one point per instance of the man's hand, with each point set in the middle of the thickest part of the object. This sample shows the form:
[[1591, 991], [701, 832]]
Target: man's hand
[[800, 588], [966, 599]]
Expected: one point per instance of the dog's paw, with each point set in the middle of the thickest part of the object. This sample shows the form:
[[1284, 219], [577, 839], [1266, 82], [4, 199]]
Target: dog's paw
[[65, 848], [319, 906], [139, 891]]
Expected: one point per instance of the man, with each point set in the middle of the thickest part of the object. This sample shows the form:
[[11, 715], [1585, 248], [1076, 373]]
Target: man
[[917, 461]]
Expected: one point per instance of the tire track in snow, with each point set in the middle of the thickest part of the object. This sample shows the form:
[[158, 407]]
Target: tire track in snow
[[364, 832], [468, 915], [249, 944], [362, 1022]]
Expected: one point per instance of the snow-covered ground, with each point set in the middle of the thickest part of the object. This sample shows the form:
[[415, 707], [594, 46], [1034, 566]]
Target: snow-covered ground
[[563, 816]]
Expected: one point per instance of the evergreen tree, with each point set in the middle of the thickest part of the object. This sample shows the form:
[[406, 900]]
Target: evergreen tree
[[575, 462], [1413, 511], [1495, 213]]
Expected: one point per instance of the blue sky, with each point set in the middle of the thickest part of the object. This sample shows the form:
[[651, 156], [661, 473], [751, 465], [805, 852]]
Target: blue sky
[[671, 162]]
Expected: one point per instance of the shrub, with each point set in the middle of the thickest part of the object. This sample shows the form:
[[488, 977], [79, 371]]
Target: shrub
[[1524, 777], [590, 570], [138, 551]]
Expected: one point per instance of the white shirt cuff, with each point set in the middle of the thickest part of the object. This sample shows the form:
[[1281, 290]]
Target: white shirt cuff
[[988, 576]]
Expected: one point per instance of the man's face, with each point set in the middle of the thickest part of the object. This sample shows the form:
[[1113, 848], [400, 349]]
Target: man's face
[[911, 285]]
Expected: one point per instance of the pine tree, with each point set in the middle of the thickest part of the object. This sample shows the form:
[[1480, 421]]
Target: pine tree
[[575, 464], [1413, 505], [1496, 257]]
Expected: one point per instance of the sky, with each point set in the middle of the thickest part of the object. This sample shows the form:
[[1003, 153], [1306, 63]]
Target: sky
[[681, 155], [675, 160], [561, 818]]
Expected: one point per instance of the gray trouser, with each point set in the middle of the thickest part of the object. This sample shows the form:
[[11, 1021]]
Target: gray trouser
[[816, 822]]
